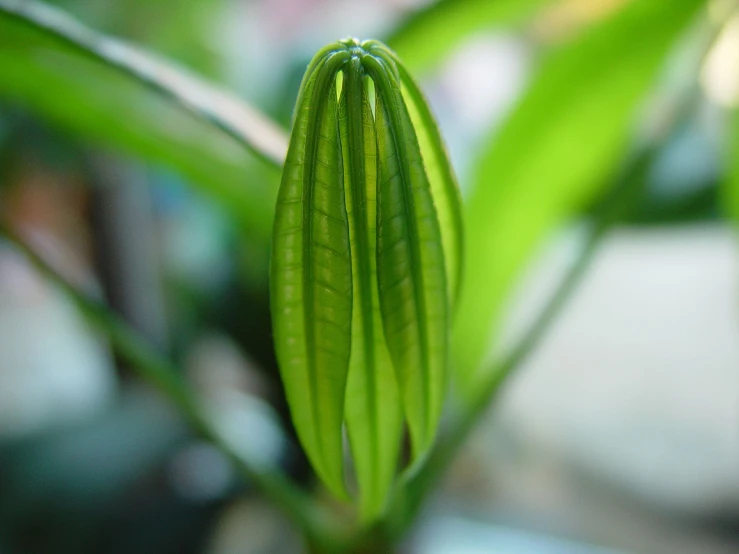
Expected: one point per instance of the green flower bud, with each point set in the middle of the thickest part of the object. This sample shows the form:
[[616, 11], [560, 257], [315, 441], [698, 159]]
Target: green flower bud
[[366, 262]]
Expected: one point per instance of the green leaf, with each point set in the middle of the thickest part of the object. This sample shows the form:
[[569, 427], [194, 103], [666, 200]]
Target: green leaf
[[410, 263], [563, 138], [731, 189], [311, 280], [109, 91], [373, 412], [428, 35], [444, 187]]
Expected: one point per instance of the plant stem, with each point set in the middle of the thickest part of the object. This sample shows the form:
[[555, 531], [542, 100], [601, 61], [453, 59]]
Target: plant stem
[[204, 100], [300, 508]]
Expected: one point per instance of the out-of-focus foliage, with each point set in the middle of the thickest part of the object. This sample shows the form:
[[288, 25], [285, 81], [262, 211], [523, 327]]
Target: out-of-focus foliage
[[428, 35], [559, 144], [182, 30], [76, 89], [731, 192]]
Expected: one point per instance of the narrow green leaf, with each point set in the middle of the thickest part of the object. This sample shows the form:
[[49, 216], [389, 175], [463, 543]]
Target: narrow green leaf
[[561, 141], [731, 189], [410, 263], [311, 281], [317, 61], [373, 412], [235, 117], [444, 187], [429, 34], [107, 90]]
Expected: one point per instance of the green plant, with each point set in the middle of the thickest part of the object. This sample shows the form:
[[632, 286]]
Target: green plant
[[363, 143], [365, 266]]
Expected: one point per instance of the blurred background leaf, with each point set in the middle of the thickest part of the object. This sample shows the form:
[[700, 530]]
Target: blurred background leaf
[[564, 137], [731, 190], [56, 67], [175, 29], [428, 35]]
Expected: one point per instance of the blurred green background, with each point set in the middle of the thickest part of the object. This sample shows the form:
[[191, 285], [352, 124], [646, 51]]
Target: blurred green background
[[599, 126]]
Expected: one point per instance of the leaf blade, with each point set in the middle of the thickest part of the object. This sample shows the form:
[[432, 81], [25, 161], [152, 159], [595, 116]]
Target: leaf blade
[[410, 264], [46, 65], [730, 193], [447, 197], [577, 110], [310, 280], [373, 412], [449, 22], [254, 130]]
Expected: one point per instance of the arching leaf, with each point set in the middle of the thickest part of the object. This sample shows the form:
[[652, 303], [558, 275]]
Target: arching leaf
[[562, 139], [373, 412], [410, 264], [731, 189], [112, 92], [311, 282]]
